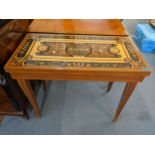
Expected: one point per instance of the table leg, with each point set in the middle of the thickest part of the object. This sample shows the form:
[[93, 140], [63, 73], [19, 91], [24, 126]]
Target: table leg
[[43, 82], [130, 86], [109, 86], [28, 91]]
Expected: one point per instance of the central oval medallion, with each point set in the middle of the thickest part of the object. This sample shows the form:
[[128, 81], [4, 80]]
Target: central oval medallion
[[78, 49]]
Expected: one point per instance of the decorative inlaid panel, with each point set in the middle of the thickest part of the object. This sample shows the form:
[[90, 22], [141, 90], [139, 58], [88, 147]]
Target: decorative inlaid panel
[[82, 51]]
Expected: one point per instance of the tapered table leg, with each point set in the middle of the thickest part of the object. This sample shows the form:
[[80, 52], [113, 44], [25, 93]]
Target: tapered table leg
[[28, 91], [130, 86], [109, 86], [43, 82]]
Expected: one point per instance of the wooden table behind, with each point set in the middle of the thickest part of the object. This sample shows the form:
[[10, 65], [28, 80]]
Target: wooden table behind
[[78, 26]]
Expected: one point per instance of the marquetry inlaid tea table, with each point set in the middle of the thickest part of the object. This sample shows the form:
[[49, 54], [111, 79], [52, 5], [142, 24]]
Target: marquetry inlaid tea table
[[43, 56]]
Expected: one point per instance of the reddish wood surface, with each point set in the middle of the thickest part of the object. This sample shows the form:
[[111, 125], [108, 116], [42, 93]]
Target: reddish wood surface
[[1, 118], [78, 26], [11, 35]]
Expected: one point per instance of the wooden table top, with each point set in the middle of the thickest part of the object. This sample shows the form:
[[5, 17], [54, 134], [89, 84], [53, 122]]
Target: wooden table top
[[77, 52], [78, 26]]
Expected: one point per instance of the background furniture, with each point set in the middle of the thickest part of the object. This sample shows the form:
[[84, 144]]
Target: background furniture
[[12, 99]]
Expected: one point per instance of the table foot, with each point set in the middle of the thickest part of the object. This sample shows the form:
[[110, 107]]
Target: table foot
[[129, 88], [109, 86]]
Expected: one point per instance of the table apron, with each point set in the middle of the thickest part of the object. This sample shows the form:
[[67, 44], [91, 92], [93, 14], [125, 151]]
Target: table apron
[[79, 76]]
